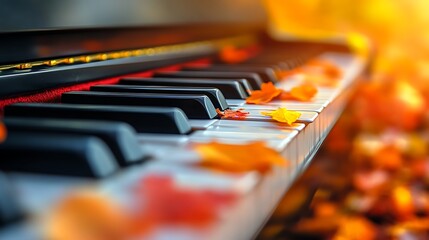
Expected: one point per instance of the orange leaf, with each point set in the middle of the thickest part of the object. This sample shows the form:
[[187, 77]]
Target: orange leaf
[[326, 67], [267, 93], [232, 114], [355, 228], [3, 132], [303, 92], [87, 216], [321, 72], [403, 202], [283, 115], [321, 79], [254, 156], [231, 54]]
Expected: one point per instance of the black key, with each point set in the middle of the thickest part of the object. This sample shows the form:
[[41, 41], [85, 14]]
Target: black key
[[267, 74], [10, 211], [143, 119], [120, 137], [230, 89], [214, 94], [249, 81], [195, 106], [69, 155]]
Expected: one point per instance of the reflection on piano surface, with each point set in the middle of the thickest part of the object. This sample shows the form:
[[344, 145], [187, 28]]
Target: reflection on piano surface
[[121, 120]]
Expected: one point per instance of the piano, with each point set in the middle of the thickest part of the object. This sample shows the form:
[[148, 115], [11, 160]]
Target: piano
[[101, 93]]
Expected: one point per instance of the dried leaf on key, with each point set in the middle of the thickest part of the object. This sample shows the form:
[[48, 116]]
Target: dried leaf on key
[[238, 114], [283, 115], [302, 92], [317, 71], [3, 132], [254, 156], [269, 92]]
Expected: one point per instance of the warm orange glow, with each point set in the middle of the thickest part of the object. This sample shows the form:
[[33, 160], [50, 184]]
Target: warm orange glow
[[378, 152]]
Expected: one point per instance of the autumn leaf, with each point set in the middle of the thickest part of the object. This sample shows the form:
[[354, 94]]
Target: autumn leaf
[[355, 228], [283, 115], [303, 92], [324, 67], [232, 114], [3, 132], [195, 207], [267, 93], [87, 216], [231, 54], [254, 156], [321, 79], [403, 202]]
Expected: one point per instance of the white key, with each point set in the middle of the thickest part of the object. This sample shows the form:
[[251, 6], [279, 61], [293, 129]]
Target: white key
[[235, 102], [295, 150], [290, 106], [171, 139], [255, 115], [277, 141], [197, 124]]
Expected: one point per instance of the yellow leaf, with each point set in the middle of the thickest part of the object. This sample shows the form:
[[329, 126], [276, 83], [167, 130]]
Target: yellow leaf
[[283, 115]]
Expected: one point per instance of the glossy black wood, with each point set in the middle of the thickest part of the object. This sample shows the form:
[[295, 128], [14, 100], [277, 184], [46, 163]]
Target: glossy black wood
[[195, 106], [143, 119], [214, 94], [230, 89]]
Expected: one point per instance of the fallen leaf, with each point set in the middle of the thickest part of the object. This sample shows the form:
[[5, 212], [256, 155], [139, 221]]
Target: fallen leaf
[[267, 93], [232, 54], [325, 67], [165, 202], [283, 115], [3, 132], [303, 92], [357, 228], [254, 156], [232, 114], [403, 203], [87, 216]]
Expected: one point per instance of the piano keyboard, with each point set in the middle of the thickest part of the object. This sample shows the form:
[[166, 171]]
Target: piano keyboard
[[114, 135]]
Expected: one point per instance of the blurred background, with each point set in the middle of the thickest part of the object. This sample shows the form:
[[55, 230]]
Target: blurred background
[[371, 179]]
